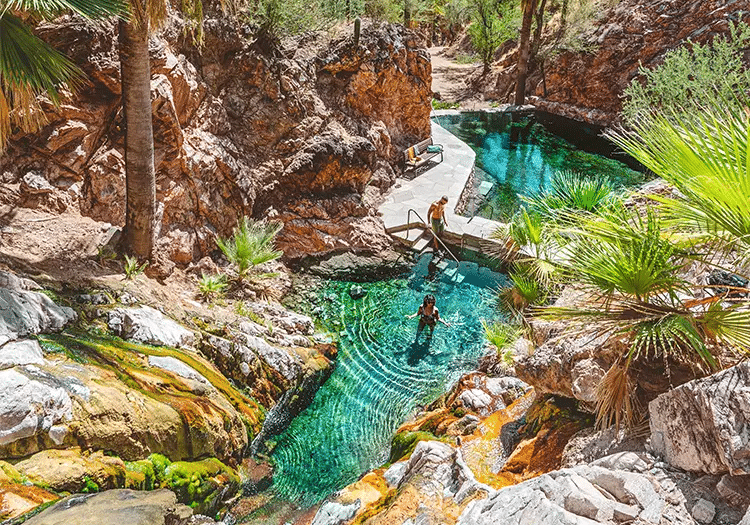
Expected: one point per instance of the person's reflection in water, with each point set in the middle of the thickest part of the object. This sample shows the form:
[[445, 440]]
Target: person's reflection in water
[[418, 351]]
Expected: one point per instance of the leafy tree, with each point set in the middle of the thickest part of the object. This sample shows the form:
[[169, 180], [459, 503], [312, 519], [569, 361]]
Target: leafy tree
[[492, 23], [29, 67]]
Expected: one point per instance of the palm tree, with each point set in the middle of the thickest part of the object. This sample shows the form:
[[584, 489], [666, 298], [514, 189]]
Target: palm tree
[[528, 7], [140, 174], [29, 67], [635, 295]]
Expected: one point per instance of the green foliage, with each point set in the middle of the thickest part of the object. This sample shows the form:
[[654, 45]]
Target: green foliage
[[570, 191], [706, 158], [501, 336], [89, 486], [439, 104], [690, 76], [404, 443], [132, 268], [251, 244], [626, 254], [526, 291], [492, 23], [212, 286], [462, 58], [636, 296], [30, 67]]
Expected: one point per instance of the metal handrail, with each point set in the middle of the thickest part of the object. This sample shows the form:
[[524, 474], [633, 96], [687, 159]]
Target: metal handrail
[[408, 222]]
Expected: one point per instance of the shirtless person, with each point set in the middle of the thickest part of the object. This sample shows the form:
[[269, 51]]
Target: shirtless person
[[436, 218]]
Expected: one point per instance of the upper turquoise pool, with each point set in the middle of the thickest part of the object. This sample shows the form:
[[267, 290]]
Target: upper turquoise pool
[[382, 373], [518, 154]]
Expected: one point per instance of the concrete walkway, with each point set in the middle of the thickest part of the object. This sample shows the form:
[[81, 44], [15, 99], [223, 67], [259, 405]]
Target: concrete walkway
[[446, 178]]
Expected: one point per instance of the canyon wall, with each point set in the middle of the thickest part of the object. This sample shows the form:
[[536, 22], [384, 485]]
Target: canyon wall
[[308, 136]]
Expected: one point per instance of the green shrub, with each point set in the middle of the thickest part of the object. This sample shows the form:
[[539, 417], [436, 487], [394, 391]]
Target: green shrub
[[501, 335], [251, 244], [440, 104], [132, 268], [492, 23], [570, 191], [690, 77], [212, 286]]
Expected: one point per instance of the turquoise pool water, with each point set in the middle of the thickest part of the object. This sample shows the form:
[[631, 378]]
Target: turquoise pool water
[[519, 158], [382, 373]]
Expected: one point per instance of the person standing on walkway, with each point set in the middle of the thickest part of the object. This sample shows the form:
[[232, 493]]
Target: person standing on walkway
[[436, 218]]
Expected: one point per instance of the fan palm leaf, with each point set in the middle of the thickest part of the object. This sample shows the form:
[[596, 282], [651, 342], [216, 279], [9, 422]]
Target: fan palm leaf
[[29, 67], [707, 158]]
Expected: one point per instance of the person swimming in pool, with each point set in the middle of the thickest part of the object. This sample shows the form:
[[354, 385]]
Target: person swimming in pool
[[428, 315]]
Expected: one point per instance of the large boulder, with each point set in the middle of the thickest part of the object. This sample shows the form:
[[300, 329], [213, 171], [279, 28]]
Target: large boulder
[[150, 326], [30, 406], [69, 470], [116, 507], [583, 495], [24, 313], [703, 425], [166, 407]]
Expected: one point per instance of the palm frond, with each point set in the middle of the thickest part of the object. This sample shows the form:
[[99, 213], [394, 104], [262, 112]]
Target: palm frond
[[251, 244], [571, 192], [29, 67], [53, 8], [616, 403]]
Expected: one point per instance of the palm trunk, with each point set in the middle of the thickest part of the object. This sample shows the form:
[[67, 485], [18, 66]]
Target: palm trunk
[[524, 51], [140, 177]]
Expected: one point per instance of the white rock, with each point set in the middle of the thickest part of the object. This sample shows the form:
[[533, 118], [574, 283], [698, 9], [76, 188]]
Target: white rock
[[149, 326], [24, 313], [475, 399], [28, 407], [277, 358], [24, 352], [746, 519], [702, 425], [332, 513], [395, 473], [57, 433], [703, 511]]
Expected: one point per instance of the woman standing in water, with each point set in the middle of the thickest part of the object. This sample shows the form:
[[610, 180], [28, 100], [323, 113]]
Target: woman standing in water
[[428, 316]]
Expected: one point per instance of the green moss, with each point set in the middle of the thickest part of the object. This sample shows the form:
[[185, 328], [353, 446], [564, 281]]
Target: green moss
[[125, 358], [89, 486], [200, 484], [10, 472], [404, 443], [141, 474]]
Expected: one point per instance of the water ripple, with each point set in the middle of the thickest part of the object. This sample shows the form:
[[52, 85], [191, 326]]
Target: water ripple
[[382, 374]]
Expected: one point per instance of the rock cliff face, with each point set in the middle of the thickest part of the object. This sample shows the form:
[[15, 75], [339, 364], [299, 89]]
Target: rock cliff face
[[589, 85], [308, 136]]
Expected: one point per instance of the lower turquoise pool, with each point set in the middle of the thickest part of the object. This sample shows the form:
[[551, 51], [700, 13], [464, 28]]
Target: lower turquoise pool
[[382, 372]]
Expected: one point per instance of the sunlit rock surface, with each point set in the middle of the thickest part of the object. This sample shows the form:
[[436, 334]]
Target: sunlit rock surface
[[309, 137]]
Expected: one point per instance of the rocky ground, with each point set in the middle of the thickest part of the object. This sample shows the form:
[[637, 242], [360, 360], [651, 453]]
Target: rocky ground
[[99, 390]]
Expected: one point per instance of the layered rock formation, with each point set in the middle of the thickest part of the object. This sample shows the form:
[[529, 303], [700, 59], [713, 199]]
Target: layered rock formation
[[308, 136], [83, 411]]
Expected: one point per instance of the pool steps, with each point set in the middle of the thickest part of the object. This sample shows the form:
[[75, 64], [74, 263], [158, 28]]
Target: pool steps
[[447, 178]]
